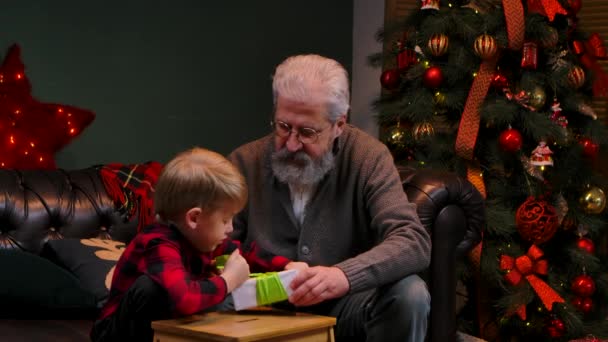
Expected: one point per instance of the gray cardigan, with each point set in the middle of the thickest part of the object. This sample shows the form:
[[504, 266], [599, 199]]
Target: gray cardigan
[[358, 219]]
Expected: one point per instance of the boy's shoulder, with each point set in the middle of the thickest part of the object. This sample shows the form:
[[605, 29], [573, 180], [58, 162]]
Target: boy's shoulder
[[159, 232]]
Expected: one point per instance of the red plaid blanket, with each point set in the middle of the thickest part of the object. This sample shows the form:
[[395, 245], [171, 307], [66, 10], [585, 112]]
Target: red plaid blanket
[[131, 187]]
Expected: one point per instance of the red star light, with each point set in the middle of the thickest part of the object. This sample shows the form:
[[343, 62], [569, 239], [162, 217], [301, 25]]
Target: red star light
[[32, 132]]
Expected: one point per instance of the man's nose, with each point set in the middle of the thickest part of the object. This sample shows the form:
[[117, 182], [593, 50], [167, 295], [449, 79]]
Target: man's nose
[[293, 144]]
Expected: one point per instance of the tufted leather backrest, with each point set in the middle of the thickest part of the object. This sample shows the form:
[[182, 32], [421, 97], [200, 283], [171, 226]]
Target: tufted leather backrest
[[39, 205]]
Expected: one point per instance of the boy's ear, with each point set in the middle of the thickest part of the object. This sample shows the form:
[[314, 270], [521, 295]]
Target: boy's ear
[[192, 216]]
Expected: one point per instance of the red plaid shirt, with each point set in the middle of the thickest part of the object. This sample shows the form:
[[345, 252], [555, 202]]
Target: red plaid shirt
[[190, 278]]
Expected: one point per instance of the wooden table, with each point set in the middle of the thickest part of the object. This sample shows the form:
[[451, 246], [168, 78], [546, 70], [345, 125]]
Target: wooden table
[[265, 325]]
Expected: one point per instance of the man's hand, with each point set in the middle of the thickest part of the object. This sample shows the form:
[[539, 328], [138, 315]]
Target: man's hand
[[296, 265], [316, 284]]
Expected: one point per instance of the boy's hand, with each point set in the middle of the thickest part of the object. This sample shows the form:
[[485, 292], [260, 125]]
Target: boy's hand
[[236, 271], [296, 265]]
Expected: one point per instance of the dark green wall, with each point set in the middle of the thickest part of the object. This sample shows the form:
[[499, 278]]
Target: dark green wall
[[163, 76]]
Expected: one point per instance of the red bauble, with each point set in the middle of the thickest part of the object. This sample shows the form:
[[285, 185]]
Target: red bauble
[[390, 79], [555, 328], [583, 285], [510, 140], [590, 149], [574, 6], [583, 304], [586, 244], [499, 81], [536, 220], [433, 77]]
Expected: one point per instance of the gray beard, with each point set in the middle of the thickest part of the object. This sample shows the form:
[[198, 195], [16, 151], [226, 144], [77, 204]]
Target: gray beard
[[299, 169]]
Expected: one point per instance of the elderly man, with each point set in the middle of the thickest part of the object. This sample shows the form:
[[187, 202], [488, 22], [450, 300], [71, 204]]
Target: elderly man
[[326, 193]]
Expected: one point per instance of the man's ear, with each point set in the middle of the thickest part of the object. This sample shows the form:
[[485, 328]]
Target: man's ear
[[340, 123], [192, 216]]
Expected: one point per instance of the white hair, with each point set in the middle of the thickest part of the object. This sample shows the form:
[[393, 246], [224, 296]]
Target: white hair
[[297, 76]]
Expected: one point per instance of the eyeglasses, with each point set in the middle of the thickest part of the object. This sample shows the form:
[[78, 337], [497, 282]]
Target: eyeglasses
[[305, 135]]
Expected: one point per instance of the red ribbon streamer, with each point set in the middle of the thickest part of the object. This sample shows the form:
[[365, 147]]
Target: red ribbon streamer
[[527, 266], [589, 52]]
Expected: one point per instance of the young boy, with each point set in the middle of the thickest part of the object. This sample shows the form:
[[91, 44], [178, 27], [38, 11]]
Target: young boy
[[167, 270]]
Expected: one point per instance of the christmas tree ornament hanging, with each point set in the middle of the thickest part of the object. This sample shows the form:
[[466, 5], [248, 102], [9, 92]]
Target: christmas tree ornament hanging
[[439, 98], [405, 59], [555, 328], [396, 136], [485, 46], [583, 285], [537, 97], [529, 57], [499, 81], [429, 4], [583, 304], [593, 200], [556, 114], [576, 77], [541, 155], [550, 38], [536, 220], [510, 140], [423, 130], [586, 245], [432, 77], [532, 170], [438, 44], [590, 148], [390, 79]]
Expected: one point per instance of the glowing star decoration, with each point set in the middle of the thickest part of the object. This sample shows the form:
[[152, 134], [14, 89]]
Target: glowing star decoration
[[32, 132]]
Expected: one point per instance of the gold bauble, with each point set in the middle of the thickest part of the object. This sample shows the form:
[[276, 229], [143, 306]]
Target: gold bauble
[[593, 200], [537, 97], [439, 98], [396, 136]]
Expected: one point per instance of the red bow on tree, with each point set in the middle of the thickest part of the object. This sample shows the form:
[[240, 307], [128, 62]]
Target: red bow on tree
[[548, 8], [527, 266], [589, 52]]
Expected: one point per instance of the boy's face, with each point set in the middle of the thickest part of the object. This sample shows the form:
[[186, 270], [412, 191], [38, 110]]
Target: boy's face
[[210, 227]]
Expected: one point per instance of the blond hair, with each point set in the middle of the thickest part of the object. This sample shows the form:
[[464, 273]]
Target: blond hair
[[198, 178]]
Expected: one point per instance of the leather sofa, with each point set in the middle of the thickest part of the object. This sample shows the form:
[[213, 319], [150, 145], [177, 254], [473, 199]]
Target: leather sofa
[[37, 206]]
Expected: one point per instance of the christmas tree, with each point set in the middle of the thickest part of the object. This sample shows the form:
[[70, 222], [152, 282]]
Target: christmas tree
[[500, 92]]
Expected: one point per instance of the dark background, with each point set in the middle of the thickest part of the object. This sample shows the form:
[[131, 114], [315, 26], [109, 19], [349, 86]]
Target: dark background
[[163, 76]]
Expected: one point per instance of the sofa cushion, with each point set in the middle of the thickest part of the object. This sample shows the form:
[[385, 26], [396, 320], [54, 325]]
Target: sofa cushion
[[34, 287], [92, 261]]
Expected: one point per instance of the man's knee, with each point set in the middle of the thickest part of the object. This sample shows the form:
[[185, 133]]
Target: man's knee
[[409, 296]]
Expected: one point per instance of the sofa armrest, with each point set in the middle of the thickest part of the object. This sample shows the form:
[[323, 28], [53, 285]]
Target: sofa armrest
[[453, 211]]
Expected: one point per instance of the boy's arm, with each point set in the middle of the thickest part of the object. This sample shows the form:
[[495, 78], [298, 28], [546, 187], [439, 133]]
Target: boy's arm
[[187, 296]]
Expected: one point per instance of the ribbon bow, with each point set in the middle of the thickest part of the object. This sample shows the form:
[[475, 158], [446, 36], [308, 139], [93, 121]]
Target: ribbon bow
[[527, 266], [548, 8], [589, 52], [268, 288]]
